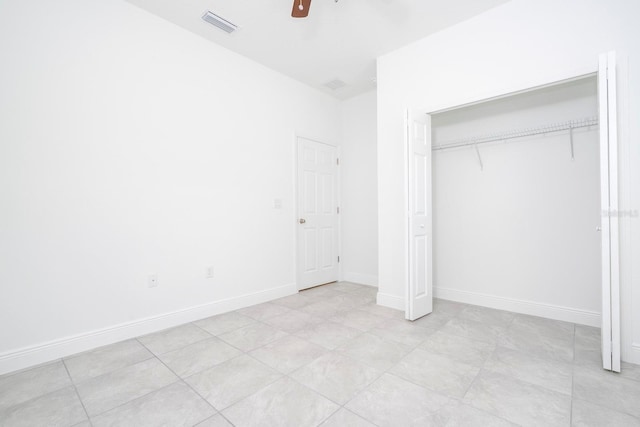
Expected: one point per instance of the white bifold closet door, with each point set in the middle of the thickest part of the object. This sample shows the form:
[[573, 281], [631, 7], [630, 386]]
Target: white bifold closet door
[[419, 298], [609, 202]]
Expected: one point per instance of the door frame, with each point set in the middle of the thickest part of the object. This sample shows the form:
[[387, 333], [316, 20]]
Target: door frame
[[616, 270], [296, 230]]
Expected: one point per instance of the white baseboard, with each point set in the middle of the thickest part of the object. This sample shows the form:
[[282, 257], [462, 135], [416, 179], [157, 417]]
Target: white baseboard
[[363, 279], [390, 301], [34, 355], [556, 312], [633, 356]]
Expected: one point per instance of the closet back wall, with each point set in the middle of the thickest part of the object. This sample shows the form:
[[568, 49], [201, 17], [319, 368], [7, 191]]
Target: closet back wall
[[522, 231]]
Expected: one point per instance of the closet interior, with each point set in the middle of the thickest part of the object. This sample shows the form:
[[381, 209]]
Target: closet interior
[[516, 199]]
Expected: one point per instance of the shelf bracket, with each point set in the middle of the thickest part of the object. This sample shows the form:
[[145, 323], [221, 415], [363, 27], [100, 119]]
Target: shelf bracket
[[479, 157], [571, 142]]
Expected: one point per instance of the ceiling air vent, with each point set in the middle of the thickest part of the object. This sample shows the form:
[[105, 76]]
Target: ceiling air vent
[[335, 84], [219, 22]]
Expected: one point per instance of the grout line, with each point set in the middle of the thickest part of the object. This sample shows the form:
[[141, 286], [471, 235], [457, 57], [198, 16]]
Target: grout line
[[180, 379], [138, 397], [75, 388]]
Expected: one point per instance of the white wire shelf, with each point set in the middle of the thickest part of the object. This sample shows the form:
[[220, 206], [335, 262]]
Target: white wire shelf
[[482, 139]]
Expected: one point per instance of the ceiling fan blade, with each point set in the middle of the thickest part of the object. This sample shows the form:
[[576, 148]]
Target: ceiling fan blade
[[296, 12]]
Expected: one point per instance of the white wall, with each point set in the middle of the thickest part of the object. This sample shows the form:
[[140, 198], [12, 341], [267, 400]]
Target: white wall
[[359, 206], [522, 44], [523, 228], [129, 146]]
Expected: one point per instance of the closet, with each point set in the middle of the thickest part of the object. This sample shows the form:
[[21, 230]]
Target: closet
[[512, 203], [516, 202]]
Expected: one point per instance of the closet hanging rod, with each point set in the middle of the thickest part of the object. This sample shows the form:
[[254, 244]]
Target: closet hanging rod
[[556, 127]]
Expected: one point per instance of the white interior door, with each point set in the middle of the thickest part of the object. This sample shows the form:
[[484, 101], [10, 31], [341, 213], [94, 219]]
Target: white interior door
[[419, 291], [317, 213], [609, 224]]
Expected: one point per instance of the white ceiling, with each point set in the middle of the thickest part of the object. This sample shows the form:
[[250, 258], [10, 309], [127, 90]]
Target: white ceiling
[[339, 40]]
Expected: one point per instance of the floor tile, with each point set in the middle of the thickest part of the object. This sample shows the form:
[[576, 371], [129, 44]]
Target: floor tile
[[263, 311], [106, 359], [252, 336], [199, 356], [402, 331], [369, 292], [433, 320], [28, 384], [458, 414], [475, 330], [358, 319], [174, 405], [587, 358], [587, 338], [630, 371], [288, 354], [349, 287], [519, 402], [375, 351], [336, 376], [59, 408], [542, 326], [392, 401], [328, 334], [321, 291], [351, 300], [174, 338], [103, 393], [607, 389], [295, 301], [215, 421], [461, 365], [345, 418], [293, 321], [436, 372], [587, 414], [283, 403], [460, 349], [549, 373], [487, 316], [233, 380], [451, 308], [382, 311], [323, 309], [539, 337], [223, 323]]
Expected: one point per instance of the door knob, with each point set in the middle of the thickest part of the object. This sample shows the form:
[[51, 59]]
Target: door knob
[[302, 220]]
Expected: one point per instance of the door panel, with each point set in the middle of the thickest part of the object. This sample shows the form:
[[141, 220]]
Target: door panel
[[317, 214], [419, 290], [610, 331]]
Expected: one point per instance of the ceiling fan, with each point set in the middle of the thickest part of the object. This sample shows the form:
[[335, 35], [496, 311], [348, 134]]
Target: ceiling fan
[[301, 8]]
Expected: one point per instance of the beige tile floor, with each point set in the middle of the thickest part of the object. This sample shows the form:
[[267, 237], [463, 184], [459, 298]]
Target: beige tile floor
[[329, 356]]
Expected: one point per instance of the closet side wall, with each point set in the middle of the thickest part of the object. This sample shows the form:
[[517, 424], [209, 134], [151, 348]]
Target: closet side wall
[[522, 230]]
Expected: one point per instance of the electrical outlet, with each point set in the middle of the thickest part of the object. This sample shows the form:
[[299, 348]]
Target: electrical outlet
[[209, 274], [152, 280]]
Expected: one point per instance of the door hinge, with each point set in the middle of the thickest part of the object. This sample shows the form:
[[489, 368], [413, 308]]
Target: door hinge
[[337, 161], [338, 209], [338, 258]]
